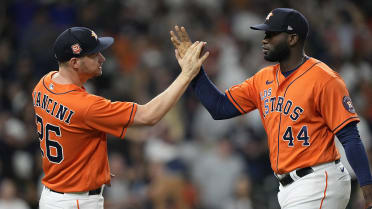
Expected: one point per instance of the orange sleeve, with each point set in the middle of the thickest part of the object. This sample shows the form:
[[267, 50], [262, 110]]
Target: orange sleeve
[[335, 105], [110, 117], [243, 96]]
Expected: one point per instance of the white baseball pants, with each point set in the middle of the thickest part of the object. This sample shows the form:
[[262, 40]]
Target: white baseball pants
[[328, 187], [53, 200]]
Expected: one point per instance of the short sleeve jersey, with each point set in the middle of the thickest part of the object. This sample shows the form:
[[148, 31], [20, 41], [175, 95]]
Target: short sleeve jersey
[[301, 113], [72, 126]]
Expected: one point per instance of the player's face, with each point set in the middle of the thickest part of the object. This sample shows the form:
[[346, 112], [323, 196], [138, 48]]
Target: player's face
[[91, 65], [275, 46]]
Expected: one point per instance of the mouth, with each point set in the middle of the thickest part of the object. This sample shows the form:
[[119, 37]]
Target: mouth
[[265, 50]]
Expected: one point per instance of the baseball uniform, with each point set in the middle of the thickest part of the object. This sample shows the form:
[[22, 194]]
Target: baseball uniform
[[72, 126], [302, 108], [300, 117]]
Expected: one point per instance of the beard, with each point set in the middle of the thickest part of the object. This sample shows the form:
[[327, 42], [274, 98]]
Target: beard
[[279, 53]]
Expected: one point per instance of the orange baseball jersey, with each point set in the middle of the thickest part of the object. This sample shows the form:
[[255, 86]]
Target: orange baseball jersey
[[300, 113], [72, 126]]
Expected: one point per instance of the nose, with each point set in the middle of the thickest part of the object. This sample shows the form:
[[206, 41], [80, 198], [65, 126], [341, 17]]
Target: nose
[[101, 57], [265, 41]]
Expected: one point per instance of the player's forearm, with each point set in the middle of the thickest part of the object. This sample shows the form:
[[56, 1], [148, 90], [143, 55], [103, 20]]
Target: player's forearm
[[153, 111], [217, 104]]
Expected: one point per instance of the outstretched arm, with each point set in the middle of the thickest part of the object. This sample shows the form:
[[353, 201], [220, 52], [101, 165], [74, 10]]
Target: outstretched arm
[[153, 111], [217, 103]]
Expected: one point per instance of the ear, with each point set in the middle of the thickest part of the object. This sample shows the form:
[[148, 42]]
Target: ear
[[74, 63], [292, 39]]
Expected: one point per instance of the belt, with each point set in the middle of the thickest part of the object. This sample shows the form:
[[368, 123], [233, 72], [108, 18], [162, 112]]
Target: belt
[[91, 192], [287, 179]]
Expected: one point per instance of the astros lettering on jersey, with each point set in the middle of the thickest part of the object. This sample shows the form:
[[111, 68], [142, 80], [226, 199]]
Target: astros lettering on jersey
[[300, 130], [71, 125]]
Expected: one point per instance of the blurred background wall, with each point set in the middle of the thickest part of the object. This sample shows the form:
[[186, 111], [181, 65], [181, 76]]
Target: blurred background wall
[[187, 161]]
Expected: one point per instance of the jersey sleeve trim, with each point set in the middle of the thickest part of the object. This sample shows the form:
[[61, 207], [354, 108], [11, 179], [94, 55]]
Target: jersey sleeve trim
[[241, 110], [130, 121], [343, 124]]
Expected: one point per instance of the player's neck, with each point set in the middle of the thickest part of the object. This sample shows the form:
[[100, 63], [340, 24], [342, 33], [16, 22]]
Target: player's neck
[[67, 76], [292, 62]]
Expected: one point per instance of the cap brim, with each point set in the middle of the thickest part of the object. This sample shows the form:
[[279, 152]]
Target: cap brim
[[104, 43], [264, 27]]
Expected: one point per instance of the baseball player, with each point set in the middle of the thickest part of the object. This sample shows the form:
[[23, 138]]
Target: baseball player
[[303, 104], [72, 124]]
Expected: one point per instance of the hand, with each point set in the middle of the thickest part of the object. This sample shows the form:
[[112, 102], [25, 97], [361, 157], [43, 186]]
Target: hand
[[191, 61], [367, 193], [183, 42]]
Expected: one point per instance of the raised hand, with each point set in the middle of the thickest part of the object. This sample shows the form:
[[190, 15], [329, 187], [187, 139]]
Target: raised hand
[[182, 42], [192, 61]]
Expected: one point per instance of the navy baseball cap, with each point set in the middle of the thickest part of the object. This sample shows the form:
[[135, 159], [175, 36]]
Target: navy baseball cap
[[285, 20], [78, 42]]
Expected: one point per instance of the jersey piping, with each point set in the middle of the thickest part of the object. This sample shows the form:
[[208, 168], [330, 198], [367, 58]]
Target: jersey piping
[[280, 117], [55, 92], [343, 123], [242, 110], [129, 121]]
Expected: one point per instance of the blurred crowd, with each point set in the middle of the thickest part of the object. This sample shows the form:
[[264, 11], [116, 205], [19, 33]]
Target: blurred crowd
[[188, 160]]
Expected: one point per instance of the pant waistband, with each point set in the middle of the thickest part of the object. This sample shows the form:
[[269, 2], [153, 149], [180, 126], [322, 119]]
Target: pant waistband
[[97, 191], [288, 178]]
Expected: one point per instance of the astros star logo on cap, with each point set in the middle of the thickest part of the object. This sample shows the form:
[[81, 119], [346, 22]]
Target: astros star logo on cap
[[94, 35], [269, 15]]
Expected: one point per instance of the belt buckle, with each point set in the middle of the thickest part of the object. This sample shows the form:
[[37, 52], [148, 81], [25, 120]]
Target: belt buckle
[[284, 179], [280, 176]]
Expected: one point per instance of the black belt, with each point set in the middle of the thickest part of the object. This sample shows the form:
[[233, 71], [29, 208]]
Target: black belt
[[91, 192], [287, 179]]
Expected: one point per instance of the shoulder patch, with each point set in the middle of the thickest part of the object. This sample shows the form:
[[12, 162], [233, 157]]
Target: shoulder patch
[[346, 101]]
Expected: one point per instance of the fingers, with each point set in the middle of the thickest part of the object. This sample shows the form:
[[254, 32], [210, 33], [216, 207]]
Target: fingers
[[193, 53], [198, 51], [183, 35], [195, 48], [191, 62], [200, 47], [203, 58], [177, 29], [175, 42], [174, 39], [192, 49]]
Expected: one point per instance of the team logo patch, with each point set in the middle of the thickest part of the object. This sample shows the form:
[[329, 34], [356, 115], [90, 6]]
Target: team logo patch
[[76, 49], [346, 101]]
